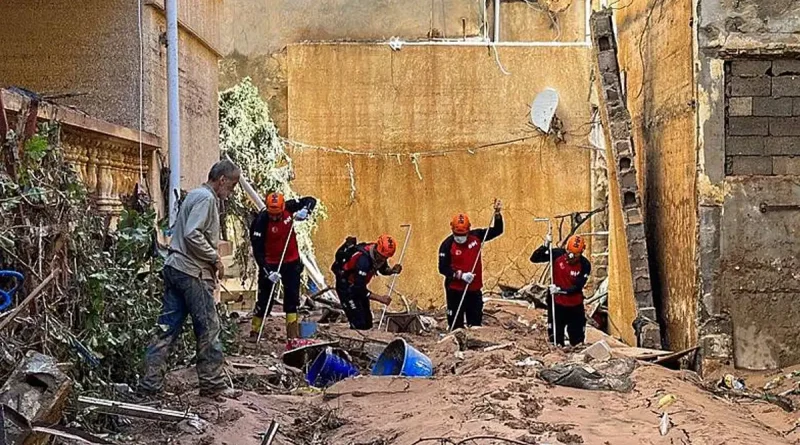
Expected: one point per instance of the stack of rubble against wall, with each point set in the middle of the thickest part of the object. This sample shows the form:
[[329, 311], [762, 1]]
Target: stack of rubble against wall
[[625, 197]]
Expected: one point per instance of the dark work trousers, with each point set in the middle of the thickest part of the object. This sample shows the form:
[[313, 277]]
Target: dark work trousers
[[356, 308], [472, 308], [186, 295], [571, 318], [290, 277]]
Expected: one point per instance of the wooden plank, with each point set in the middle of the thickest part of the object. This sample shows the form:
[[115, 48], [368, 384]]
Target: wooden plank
[[131, 410]]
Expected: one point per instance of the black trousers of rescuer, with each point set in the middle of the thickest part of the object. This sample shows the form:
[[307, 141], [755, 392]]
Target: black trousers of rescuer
[[356, 307], [571, 318], [472, 308]]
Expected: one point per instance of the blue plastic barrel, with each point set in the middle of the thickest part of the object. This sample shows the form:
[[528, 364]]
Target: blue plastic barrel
[[328, 368], [400, 358], [307, 329]]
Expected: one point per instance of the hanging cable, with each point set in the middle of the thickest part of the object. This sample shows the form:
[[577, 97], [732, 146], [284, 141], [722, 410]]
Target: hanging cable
[[497, 59], [141, 93]]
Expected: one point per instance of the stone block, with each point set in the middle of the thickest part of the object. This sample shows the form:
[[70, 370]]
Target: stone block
[[624, 148], [620, 130], [772, 106], [740, 106], [750, 165], [635, 231], [748, 126], [784, 126], [785, 86], [751, 86], [785, 66], [642, 284], [607, 60], [750, 68], [744, 145], [717, 346], [627, 178], [599, 351], [633, 215], [786, 165], [786, 146]]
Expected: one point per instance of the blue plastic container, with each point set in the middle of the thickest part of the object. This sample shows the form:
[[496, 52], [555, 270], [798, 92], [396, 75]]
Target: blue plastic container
[[328, 368], [307, 329], [400, 358]]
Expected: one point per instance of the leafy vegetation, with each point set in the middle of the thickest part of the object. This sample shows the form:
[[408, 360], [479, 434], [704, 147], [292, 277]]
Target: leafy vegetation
[[249, 137]]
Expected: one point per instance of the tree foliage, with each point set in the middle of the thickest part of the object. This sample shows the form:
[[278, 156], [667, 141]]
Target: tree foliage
[[249, 136]]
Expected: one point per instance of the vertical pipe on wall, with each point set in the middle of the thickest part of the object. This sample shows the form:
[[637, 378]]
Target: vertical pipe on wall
[[173, 110], [496, 20]]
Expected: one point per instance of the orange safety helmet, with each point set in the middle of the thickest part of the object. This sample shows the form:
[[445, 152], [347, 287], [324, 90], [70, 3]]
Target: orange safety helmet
[[576, 245], [460, 224], [276, 203], [386, 246]]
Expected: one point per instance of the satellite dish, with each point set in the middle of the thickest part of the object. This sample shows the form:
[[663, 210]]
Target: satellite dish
[[543, 109]]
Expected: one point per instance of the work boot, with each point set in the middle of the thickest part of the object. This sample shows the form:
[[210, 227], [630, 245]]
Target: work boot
[[292, 327], [221, 393]]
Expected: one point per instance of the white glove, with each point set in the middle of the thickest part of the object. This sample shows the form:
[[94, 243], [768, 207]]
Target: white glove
[[467, 277], [548, 239], [555, 289], [274, 277], [301, 215]]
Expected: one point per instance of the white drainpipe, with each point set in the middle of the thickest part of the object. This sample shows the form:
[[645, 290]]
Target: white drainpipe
[[173, 111]]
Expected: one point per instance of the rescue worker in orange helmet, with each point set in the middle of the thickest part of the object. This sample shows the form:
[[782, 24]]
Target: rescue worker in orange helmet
[[269, 234], [571, 271], [355, 266], [457, 255]]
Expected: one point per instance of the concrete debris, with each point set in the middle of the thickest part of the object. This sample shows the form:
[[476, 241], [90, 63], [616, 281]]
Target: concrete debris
[[36, 391], [403, 323], [530, 361], [599, 351]]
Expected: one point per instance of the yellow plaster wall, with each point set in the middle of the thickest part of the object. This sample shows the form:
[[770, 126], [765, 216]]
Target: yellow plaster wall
[[368, 98]]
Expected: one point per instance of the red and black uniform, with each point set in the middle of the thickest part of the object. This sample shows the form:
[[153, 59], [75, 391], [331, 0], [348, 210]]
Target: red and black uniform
[[570, 278], [268, 238], [455, 259], [351, 285]]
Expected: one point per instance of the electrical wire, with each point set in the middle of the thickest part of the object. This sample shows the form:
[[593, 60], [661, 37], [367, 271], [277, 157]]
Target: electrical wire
[[497, 59]]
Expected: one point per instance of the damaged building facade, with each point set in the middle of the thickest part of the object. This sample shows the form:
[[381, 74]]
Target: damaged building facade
[[713, 90], [86, 61]]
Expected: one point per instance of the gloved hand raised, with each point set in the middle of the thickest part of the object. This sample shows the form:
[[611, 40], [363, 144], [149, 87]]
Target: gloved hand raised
[[274, 277], [301, 215], [555, 289]]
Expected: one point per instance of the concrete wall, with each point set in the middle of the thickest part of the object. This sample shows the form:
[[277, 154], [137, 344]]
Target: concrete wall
[[66, 47], [368, 98], [255, 34], [657, 62], [746, 256]]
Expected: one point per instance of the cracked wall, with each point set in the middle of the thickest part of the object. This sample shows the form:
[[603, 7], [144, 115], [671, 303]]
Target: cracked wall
[[655, 53], [747, 257]]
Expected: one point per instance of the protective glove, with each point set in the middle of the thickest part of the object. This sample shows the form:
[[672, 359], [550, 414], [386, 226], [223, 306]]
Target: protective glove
[[555, 289], [548, 239], [397, 268], [274, 277], [466, 277], [301, 215]]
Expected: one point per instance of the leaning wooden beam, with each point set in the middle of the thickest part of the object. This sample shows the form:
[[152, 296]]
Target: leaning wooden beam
[[131, 410], [28, 299]]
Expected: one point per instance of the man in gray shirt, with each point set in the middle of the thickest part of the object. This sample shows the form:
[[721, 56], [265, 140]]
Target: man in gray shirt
[[190, 277]]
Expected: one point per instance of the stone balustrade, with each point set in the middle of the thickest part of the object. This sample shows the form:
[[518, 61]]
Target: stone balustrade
[[110, 159]]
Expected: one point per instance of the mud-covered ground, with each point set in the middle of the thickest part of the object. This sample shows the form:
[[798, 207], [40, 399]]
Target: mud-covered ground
[[474, 393]]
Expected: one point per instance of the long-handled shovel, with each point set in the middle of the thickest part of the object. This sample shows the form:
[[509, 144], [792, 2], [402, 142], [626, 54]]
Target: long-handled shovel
[[394, 279], [275, 286], [474, 266], [550, 249]]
